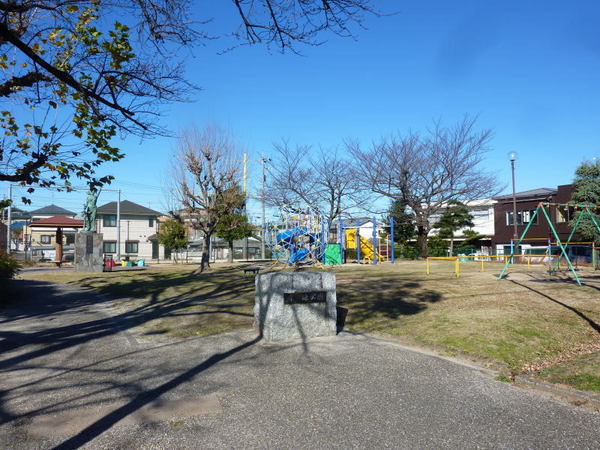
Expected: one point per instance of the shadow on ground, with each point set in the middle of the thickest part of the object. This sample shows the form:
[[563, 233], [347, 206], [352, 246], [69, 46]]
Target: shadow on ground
[[390, 298], [67, 323], [30, 345], [590, 321], [47, 301]]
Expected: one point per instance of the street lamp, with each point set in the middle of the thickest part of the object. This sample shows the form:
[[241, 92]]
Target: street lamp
[[513, 156]]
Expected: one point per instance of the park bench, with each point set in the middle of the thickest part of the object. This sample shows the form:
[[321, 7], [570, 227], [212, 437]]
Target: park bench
[[252, 269]]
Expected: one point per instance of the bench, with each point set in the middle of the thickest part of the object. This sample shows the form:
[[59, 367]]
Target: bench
[[253, 270]]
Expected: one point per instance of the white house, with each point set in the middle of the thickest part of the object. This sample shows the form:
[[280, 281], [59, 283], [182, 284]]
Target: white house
[[138, 231], [483, 220]]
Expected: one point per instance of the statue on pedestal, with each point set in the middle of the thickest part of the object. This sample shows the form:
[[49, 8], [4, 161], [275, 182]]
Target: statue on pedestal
[[89, 210], [88, 243]]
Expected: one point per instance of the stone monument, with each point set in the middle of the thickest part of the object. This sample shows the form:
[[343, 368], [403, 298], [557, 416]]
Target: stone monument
[[88, 243], [295, 305]]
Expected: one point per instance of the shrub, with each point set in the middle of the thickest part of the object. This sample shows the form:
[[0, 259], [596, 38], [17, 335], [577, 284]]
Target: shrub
[[9, 266], [410, 252]]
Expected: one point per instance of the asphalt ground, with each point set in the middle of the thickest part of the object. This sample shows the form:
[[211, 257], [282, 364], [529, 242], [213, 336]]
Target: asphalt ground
[[76, 373]]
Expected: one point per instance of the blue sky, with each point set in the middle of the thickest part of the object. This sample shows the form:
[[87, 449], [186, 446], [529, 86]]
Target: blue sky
[[529, 70]]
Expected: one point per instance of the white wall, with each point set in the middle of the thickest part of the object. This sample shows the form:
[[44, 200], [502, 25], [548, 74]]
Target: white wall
[[483, 218], [133, 228]]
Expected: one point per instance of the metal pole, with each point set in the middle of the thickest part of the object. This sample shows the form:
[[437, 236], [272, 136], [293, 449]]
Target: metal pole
[[118, 224], [374, 241], [9, 219], [392, 240], [341, 239], [323, 240], [245, 179], [357, 244], [263, 234], [516, 232]]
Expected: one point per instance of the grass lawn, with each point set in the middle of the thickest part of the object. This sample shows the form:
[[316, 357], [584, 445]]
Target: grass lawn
[[528, 323]]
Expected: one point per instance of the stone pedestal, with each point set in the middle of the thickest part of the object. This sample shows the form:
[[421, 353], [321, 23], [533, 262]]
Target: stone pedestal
[[88, 252], [295, 305]]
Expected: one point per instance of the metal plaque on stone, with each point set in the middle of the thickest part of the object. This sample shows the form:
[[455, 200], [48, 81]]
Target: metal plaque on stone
[[301, 298], [89, 244]]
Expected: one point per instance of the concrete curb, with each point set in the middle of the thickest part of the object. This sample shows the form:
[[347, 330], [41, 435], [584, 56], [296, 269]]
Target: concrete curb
[[573, 396]]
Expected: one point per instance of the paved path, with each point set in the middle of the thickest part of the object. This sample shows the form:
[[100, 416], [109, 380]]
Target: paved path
[[71, 375]]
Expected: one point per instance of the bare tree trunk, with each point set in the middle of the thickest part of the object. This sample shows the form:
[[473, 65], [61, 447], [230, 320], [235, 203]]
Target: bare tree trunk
[[422, 233], [452, 245], [205, 260], [230, 256]]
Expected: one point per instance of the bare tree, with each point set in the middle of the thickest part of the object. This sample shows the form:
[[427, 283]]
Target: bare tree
[[428, 171], [206, 180], [322, 181], [74, 77], [287, 23]]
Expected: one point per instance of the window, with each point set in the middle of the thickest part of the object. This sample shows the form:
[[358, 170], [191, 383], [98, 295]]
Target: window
[[151, 221], [527, 216], [109, 247], [523, 217], [45, 238], [70, 238], [131, 247], [109, 220], [564, 214]]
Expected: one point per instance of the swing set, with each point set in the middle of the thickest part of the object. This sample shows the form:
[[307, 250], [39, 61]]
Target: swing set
[[585, 210]]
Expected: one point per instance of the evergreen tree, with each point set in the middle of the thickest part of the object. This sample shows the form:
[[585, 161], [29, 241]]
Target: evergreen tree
[[232, 227], [471, 238], [586, 189], [173, 235], [455, 217], [404, 222]]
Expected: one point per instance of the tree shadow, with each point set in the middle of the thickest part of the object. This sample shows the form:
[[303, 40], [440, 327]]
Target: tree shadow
[[388, 298], [592, 323], [46, 301], [146, 397], [20, 347]]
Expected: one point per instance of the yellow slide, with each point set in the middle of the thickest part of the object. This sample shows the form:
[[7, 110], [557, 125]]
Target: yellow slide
[[366, 247]]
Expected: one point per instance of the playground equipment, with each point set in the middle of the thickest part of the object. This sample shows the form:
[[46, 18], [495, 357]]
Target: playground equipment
[[299, 239], [302, 237], [377, 247], [584, 211], [365, 250]]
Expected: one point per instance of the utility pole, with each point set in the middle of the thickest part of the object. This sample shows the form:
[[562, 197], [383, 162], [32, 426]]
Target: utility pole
[[245, 179], [118, 224], [9, 219], [263, 255]]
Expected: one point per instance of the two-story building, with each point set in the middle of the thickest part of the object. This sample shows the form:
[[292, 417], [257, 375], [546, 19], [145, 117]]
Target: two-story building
[[483, 222], [539, 234], [138, 231]]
